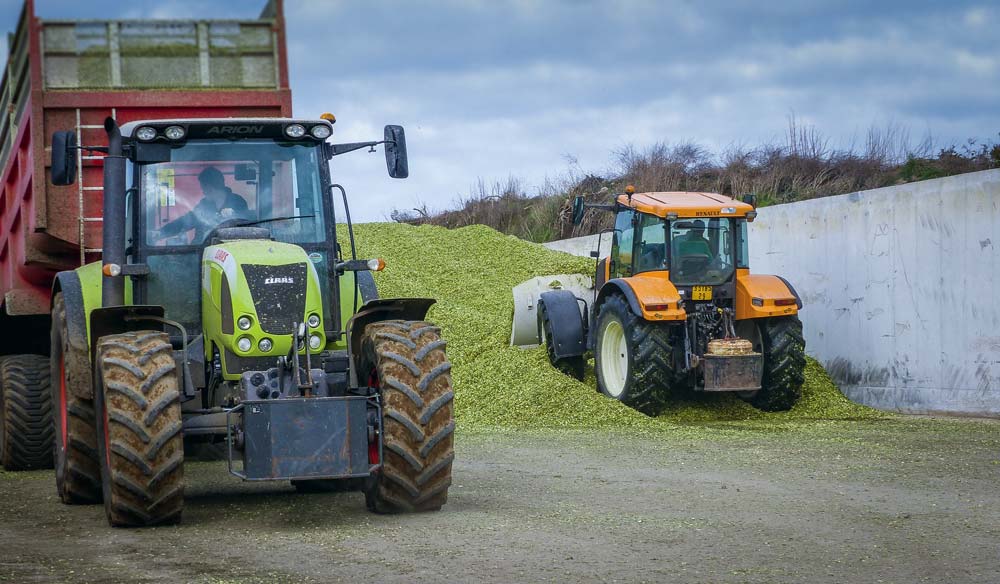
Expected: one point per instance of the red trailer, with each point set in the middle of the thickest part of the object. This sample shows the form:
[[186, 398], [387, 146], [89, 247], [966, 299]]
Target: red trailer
[[64, 74]]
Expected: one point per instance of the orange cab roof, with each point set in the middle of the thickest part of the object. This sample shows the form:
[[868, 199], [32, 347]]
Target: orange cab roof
[[686, 204]]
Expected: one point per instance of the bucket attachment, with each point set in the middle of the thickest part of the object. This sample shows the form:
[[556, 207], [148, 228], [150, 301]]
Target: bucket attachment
[[524, 331]]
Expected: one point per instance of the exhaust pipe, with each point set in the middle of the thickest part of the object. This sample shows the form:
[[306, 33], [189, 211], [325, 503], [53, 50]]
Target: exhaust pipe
[[113, 243]]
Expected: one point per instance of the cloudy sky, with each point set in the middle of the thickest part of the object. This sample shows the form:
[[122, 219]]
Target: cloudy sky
[[535, 89]]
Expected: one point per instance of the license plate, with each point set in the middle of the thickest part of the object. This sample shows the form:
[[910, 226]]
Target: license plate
[[701, 293]]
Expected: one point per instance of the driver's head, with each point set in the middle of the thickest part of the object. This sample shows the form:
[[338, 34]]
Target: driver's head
[[213, 184], [698, 228]]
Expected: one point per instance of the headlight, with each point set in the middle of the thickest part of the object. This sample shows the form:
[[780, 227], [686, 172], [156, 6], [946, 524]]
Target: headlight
[[265, 345], [315, 342], [313, 320], [244, 344], [174, 132], [321, 132], [244, 323], [295, 131], [146, 133]]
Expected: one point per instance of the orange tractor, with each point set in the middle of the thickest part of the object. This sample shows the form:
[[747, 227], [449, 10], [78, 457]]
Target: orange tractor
[[675, 307]]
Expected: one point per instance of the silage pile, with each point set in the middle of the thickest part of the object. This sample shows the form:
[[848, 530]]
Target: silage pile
[[470, 271]]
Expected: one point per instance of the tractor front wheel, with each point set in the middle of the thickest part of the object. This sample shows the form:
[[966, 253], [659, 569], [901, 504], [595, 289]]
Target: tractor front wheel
[[633, 358], [139, 425], [25, 413], [407, 362], [78, 473]]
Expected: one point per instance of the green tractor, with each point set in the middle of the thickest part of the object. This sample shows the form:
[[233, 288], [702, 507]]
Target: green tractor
[[224, 312]]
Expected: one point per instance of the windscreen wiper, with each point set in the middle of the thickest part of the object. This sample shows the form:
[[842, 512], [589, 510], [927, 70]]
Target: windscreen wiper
[[259, 221]]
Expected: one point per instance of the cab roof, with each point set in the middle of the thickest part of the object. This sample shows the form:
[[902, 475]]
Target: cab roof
[[686, 204], [239, 126]]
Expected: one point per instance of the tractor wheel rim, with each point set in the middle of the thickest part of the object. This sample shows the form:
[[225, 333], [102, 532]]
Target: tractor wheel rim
[[614, 358]]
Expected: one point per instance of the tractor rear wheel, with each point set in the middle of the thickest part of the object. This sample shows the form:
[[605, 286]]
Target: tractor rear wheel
[[25, 413], [783, 346], [78, 473], [633, 358], [406, 360], [572, 366], [139, 420]]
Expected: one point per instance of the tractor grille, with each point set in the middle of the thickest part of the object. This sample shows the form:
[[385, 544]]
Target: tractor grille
[[279, 295]]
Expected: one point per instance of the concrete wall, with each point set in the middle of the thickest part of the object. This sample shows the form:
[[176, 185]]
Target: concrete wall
[[899, 286]]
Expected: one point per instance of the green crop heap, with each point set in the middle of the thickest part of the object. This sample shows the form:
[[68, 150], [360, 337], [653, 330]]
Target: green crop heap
[[471, 272]]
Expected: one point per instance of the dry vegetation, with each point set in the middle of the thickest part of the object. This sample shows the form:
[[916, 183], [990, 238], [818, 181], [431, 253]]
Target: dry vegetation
[[802, 166]]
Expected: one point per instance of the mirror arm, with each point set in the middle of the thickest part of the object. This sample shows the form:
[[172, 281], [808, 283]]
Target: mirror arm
[[337, 149]]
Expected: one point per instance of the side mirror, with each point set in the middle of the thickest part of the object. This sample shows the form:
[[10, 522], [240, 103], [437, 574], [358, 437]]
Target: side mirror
[[63, 158], [578, 210], [751, 200], [395, 152]]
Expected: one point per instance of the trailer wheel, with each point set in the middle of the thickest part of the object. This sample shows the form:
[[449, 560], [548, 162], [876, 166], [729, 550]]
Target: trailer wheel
[[139, 420], [406, 360], [572, 366], [78, 473], [783, 347], [633, 358], [25, 413]]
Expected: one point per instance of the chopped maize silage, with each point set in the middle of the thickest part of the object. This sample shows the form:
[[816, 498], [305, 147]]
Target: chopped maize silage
[[470, 272]]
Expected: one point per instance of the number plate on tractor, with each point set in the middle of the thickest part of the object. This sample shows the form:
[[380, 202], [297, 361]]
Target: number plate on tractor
[[701, 293]]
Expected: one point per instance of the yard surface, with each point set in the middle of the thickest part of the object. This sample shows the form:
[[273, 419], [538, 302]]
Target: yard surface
[[899, 500]]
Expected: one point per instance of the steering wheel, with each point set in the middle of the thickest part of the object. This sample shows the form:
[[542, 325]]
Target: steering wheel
[[693, 263]]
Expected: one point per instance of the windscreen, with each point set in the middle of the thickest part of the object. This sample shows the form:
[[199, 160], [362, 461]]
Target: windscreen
[[208, 184], [701, 251]]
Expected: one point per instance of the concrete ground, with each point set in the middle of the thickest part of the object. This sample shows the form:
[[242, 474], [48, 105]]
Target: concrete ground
[[903, 500]]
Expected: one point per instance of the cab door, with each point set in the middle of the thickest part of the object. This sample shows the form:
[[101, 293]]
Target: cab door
[[622, 244]]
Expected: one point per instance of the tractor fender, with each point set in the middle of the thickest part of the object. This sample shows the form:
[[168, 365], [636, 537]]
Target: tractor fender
[[618, 286], [377, 310], [798, 300], [568, 329], [113, 320], [76, 329], [76, 314], [366, 286]]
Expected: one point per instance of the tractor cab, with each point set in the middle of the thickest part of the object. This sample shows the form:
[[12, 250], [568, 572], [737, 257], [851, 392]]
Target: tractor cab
[[199, 183], [696, 240]]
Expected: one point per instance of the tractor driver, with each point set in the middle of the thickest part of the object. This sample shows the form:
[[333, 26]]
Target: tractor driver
[[218, 204], [693, 243]]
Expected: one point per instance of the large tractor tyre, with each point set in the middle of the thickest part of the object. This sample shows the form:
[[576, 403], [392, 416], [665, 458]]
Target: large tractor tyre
[[406, 361], [633, 358], [78, 473], [139, 419], [784, 364], [572, 366], [25, 413]]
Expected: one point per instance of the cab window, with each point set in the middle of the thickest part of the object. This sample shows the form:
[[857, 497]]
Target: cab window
[[621, 248], [651, 247]]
